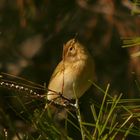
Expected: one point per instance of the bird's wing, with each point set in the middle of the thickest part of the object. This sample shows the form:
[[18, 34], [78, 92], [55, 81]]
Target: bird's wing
[[59, 69]]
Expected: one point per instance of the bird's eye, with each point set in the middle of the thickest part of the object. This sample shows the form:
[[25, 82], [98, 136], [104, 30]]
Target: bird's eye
[[71, 48]]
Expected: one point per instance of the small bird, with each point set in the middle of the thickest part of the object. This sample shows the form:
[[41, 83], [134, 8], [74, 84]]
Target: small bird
[[71, 76]]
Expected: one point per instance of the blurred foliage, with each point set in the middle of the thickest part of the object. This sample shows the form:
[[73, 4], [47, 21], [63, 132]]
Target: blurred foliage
[[130, 42], [135, 7], [32, 34]]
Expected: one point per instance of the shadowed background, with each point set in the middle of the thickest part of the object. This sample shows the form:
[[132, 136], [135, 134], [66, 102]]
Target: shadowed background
[[32, 34]]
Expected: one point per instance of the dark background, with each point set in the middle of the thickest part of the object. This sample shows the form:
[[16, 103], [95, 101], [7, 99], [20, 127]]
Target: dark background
[[32, 34]]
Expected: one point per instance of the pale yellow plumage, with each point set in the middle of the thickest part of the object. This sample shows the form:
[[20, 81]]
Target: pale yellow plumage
[[74, 71]]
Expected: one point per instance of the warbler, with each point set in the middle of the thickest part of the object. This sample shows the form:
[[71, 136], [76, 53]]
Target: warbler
[[71, 77]]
